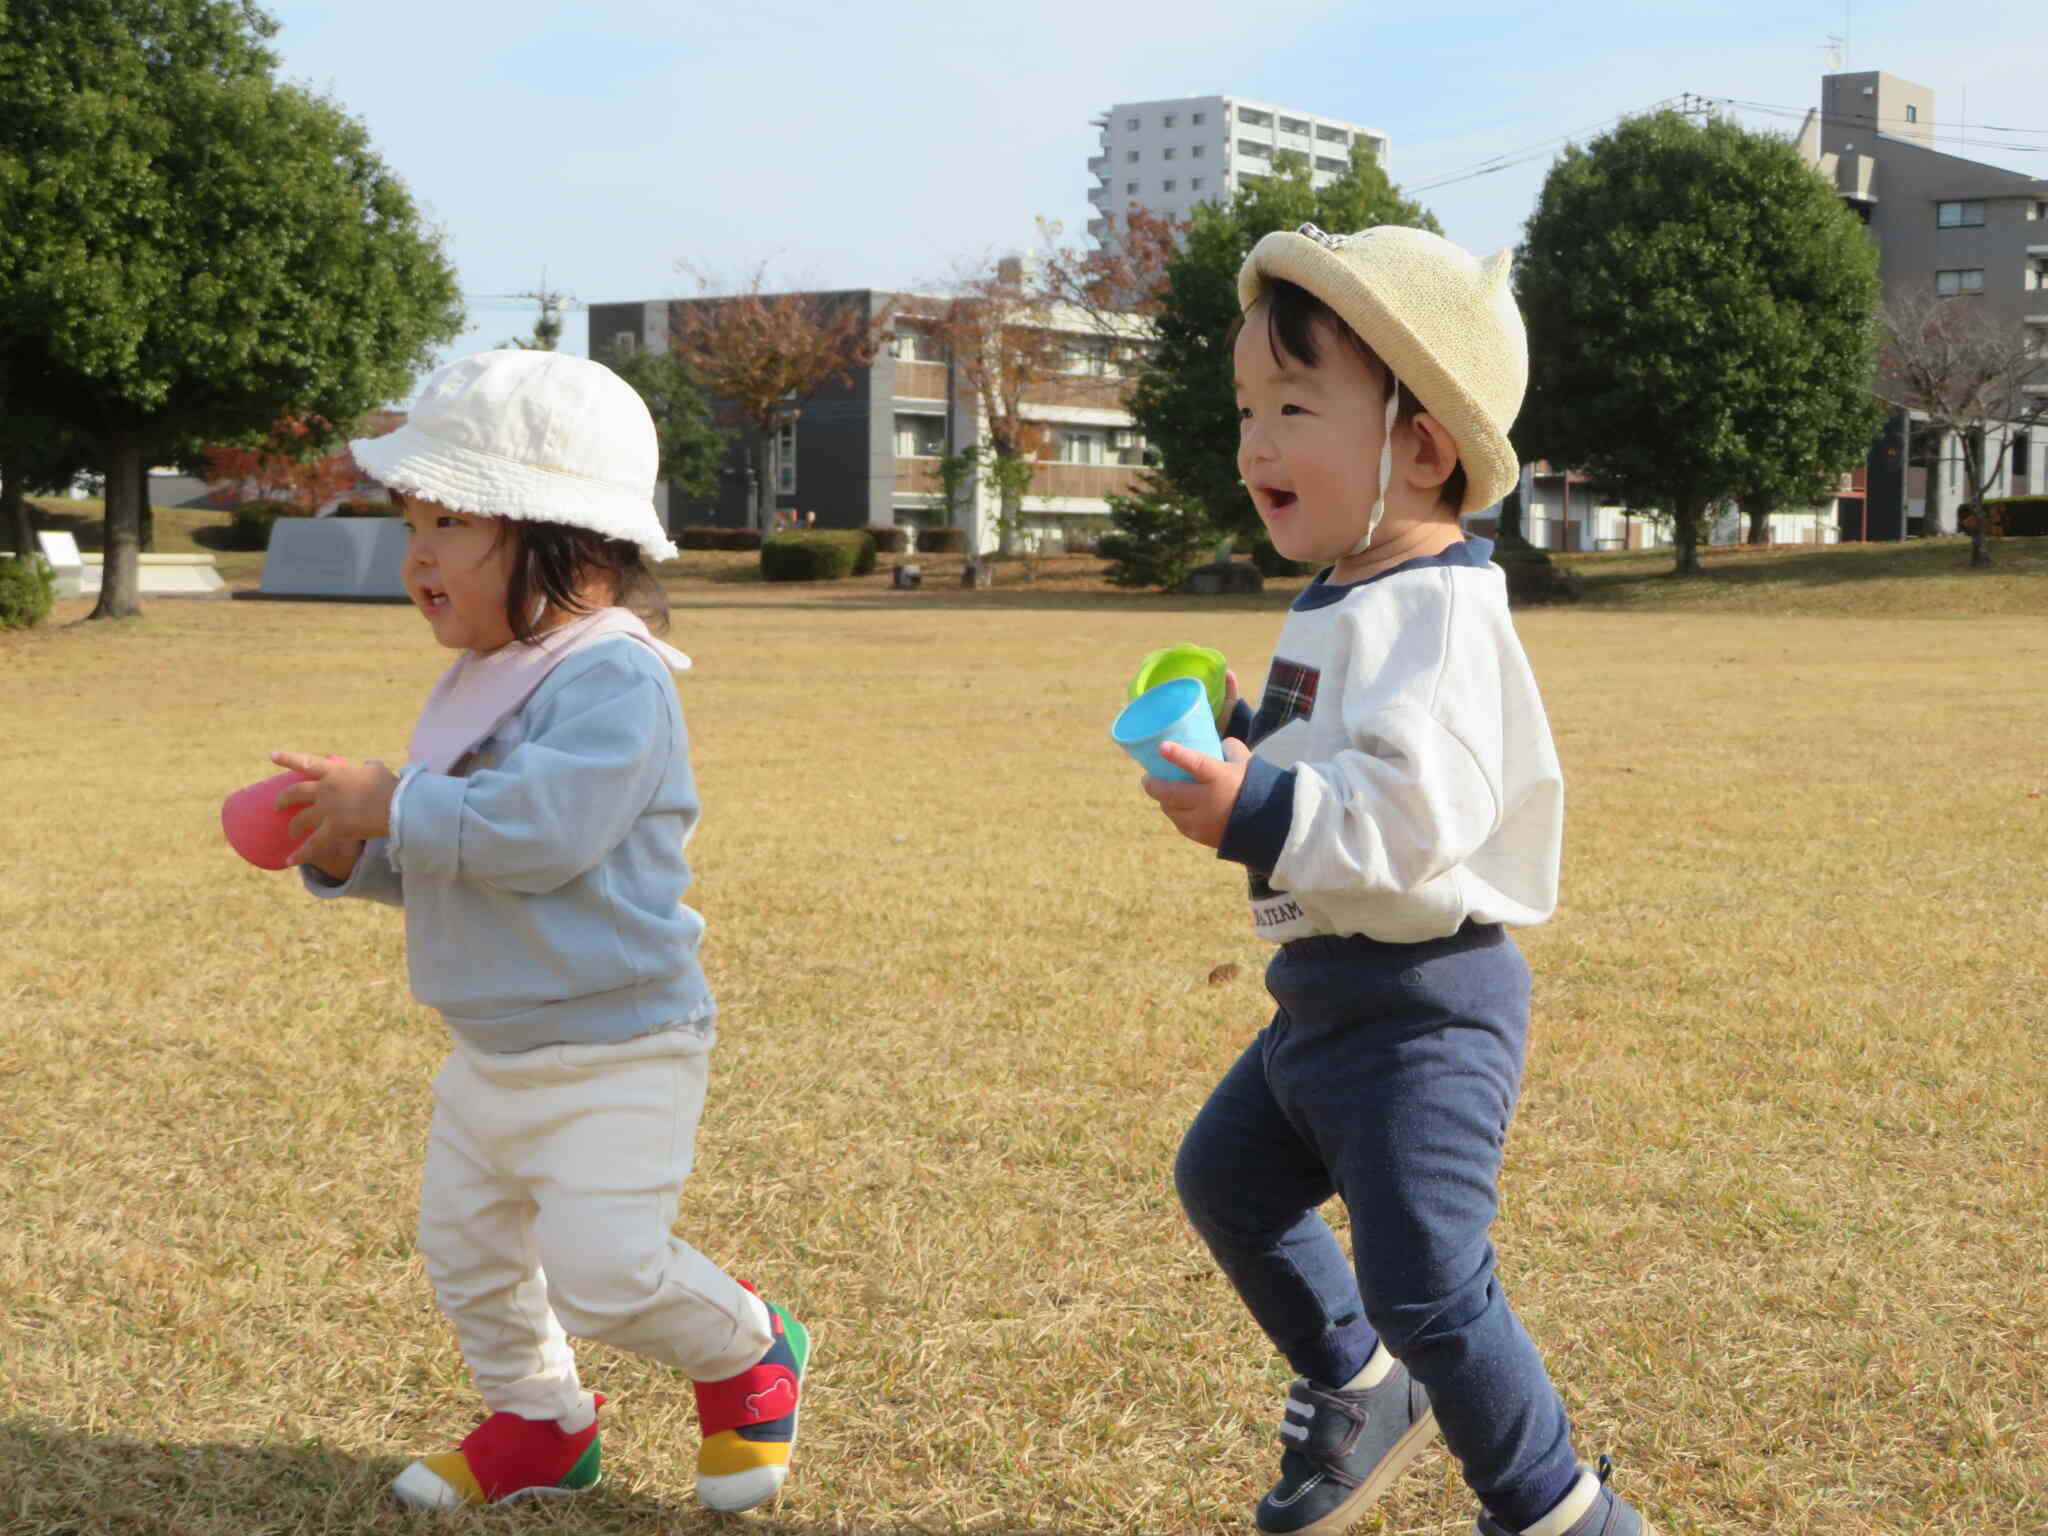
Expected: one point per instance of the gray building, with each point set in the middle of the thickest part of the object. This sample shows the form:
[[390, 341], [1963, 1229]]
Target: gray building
[[865, 450], [1943, 225]]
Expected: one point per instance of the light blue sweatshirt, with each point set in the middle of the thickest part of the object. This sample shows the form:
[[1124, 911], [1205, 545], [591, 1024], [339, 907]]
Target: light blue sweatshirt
[[542, 884]]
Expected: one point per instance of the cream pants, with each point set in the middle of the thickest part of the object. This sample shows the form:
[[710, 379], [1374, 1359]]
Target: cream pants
[[551, 1182]]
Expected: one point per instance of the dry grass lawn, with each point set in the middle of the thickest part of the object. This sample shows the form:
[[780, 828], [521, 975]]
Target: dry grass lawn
[[1775, 1199]]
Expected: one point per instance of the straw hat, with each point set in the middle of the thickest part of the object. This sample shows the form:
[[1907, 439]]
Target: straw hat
[[538, 436], [1445, 322]]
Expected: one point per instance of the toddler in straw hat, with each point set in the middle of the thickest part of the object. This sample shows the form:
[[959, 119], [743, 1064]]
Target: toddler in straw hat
[[535, 840], [1397, 804]]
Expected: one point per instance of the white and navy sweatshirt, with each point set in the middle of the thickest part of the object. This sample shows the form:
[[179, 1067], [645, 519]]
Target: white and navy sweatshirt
[[1402, 778]]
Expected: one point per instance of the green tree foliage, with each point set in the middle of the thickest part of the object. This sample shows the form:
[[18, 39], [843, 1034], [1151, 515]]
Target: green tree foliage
[[1183, 399], [692, 443], [1155, 539], [191, 249], [1701, 322]]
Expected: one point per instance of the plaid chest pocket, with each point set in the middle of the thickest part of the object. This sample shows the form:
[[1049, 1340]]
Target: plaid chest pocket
[[1290, 695]]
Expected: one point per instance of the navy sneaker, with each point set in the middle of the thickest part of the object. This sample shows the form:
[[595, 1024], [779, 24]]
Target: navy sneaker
[[1343, 1451], [1607, 1515]]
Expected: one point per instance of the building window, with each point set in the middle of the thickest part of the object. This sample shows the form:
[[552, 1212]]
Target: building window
[[2037, 274], [1331, 135], [1079, 445], [2037, 210], [1194, 183], [1127, 444], [1912, 113], [1131, 123], [910, 345], [1293, 125], [1255, 150], [1958, 215], [1199, 150], [1130, 189], [1967, 280], [1169, 152], [1198, 118], [785, 459], [920, 437], [624, 343], [1166, 121], [2022, 456], [1333, 166], [1252, 117], [1166, 185], [1085, 354], [1130, 157]]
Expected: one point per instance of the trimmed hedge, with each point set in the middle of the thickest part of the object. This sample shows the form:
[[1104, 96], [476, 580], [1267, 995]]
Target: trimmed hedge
[[2023, 517], [888, 541], [942, 541], [705, 536], [817, 555], [26, 591], [251, 527]]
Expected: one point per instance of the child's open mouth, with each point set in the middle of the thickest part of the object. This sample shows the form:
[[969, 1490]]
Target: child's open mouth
[[433, 602], [1279, 501]]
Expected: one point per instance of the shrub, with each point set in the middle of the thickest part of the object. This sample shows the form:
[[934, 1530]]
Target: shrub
[[825, 555], [864, 562], [888, 541], [26, 591], [707, 536], [364, 507], [1154, 543], [2019, 516], [942, 541], [253, 520]]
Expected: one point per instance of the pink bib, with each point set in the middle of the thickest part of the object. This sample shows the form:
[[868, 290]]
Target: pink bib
[[477, 694]]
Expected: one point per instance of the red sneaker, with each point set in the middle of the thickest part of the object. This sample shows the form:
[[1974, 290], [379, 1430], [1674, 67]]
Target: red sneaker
[[749, 1421], [505, 1458]]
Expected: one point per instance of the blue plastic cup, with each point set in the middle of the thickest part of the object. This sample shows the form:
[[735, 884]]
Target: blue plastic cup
[[1177, 710]]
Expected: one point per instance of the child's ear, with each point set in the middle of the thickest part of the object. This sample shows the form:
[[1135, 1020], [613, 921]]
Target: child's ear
[[1436, 452]]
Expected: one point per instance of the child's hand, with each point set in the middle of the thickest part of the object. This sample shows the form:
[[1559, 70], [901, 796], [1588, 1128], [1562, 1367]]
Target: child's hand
[[1200, 809], [1230, 698], [345, 800], [333, 855]]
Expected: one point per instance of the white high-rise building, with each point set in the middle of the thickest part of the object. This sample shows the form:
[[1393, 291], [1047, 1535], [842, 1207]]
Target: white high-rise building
[[1168, 156]]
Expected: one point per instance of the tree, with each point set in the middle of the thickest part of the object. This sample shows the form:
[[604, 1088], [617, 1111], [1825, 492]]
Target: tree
[[1183, 399], [1001, 330], [692, 443], [192, 248], [293, 462], [1699, 306], [1967, 371], [37, 456], [1123, 276], [763, 354]]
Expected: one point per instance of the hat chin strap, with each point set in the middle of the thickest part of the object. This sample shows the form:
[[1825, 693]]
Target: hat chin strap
[[1379, 501]]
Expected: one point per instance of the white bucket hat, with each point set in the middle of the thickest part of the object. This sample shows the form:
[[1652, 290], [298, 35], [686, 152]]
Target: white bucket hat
[[538, 436], [1442, 320]]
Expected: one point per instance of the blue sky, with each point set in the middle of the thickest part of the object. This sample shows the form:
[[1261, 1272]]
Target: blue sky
[[851, 145]]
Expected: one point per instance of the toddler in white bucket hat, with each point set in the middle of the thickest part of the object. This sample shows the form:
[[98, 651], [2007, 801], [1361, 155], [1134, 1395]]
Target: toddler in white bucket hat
[[1397, 805], [535, 841]]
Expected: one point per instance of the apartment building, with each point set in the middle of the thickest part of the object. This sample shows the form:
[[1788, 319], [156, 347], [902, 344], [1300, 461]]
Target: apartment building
[[1167, 156], [1945, 225], [865, 451]]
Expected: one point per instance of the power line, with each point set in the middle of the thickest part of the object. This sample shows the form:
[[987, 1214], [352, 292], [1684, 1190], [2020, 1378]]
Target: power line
[[1509, 159]]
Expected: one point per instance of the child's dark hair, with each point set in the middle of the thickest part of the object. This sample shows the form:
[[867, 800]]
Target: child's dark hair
[[1292, 315], [549, 562]]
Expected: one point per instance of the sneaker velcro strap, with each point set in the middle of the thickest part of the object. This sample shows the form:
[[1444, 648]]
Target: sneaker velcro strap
[[761, 1395], [1324, 1426]]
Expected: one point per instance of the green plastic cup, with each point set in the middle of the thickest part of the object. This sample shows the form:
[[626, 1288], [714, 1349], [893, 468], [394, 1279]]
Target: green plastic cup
[[1204, 665]]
